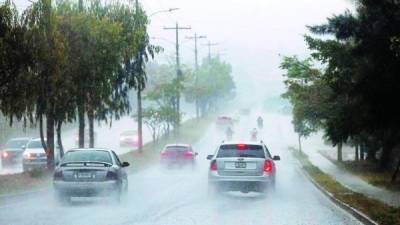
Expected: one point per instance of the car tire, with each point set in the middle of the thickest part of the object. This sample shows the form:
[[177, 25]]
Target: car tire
[[62, 199]]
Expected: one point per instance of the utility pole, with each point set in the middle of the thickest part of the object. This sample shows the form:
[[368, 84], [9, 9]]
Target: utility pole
[[178, 66], [209, 44], [196, 62]]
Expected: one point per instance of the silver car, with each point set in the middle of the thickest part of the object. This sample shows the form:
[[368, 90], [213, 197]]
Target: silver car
[[241, 167], [34, 156]]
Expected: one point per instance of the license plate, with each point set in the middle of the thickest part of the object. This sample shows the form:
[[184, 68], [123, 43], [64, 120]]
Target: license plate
[[240, 164], [84, 175]]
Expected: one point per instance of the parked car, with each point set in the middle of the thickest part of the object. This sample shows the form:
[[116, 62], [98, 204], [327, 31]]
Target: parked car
[[129, 138], [241, 167], [12, 151], [178, 154], [90, 172]]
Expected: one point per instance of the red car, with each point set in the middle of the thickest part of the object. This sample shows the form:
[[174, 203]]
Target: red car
[[178, 154], [129, 138]]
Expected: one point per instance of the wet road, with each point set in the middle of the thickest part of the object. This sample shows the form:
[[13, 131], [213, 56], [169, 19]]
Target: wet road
[[179, 197]]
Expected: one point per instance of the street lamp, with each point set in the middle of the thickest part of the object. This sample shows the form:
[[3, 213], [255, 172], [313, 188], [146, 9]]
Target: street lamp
[[165, 10]]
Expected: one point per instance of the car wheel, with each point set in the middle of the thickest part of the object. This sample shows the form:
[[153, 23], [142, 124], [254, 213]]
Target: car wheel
[[63, 199]]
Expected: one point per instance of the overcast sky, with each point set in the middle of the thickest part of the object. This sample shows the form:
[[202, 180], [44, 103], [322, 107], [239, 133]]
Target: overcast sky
[[251, 33]]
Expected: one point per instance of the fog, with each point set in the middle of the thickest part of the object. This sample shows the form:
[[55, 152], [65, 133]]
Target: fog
[[252, 36]]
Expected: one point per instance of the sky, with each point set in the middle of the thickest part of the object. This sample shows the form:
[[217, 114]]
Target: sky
[[252, 35]]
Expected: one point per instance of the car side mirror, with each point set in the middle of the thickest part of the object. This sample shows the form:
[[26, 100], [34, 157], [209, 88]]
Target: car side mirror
[[23, 147], [196, 153], [276, 158], [125, 164], [209, 157]]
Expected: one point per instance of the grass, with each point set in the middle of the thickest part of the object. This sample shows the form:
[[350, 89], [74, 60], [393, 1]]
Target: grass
[[190, 132], [376, 210], [369, 172]]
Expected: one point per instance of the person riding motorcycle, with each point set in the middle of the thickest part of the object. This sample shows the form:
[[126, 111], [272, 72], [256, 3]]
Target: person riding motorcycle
[[260, 122], [229, 133], [253, 134]]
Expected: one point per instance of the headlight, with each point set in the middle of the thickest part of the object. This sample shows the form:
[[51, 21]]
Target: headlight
[[26, 155], [5, 154]]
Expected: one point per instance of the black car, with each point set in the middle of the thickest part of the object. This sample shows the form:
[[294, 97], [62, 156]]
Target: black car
[[90, 172], [12, 151]]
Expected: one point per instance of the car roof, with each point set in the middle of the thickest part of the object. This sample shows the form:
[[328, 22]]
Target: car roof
[[37, 139], [90, 149], [177, 145], [20, 138], [242, 142]]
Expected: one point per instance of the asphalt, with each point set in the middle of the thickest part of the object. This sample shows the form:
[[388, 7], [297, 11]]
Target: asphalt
[[179, 196]]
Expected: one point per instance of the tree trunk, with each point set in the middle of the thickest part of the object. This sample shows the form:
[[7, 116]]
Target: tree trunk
[[81, 120], [59, 141], [299, 142], [394, 176], [339, 152], [139, 121], [385, 157], [357, 153], [41, 132], [362, 150], [91, 128], [50, 141]]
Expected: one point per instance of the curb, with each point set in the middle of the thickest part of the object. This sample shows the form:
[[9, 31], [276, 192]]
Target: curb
[[356, 213]]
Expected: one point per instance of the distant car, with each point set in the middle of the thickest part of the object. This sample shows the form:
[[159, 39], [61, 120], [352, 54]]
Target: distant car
[[90, 172], [86, 137], [129, 138], [245, 111], [241, 167], [224, 121], [34, 156], [12, 151], [178, 154]]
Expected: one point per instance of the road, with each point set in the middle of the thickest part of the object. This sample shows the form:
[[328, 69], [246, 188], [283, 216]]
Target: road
[[179, 197]]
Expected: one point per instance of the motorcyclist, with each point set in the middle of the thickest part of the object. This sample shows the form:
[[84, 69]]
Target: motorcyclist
[[229, 133], [260, 122], [253, 134]]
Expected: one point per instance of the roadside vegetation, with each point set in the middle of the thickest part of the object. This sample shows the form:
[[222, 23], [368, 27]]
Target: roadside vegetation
[[374, 209], [348, 87]]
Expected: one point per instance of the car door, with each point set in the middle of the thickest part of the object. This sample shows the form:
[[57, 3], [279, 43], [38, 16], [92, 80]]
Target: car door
[[121, 171]]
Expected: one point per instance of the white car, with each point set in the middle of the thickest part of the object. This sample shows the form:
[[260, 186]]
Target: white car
[[34, 156]]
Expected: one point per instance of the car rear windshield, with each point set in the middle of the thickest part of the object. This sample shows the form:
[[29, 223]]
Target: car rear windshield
[[177, 148], [250, 151], [35, 144], [87, 156], [16, 143]]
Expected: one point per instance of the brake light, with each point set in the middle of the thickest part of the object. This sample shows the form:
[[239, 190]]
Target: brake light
[[267, 166], [58, 175], [241, 146], [164, 153], [111, 176], [135, 138], [213, 165], [187, 153]]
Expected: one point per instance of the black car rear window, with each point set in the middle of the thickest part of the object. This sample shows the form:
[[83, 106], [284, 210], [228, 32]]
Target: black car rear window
[[250, 151], [87, 156]]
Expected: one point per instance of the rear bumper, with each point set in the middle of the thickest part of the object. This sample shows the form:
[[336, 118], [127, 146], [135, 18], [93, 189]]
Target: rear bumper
[[241, 182], [170, 162], [29, 165], [85, 188]]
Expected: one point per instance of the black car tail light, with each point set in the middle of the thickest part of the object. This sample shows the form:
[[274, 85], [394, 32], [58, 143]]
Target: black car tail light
[[111, 176]]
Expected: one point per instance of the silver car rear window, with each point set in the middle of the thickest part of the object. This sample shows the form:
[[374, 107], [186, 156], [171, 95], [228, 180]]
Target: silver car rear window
[[87, 156], [241, 150]]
